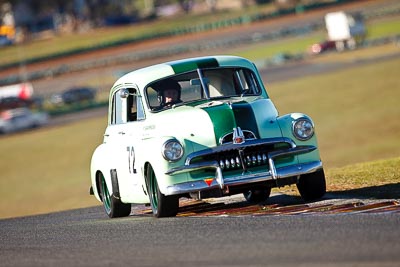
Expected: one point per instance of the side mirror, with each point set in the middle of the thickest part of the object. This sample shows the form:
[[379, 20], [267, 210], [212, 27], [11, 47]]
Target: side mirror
[[124, 93]]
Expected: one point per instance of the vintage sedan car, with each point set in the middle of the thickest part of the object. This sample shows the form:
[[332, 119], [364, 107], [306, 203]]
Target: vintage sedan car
[[74, 95], [19, 119], [218, 134], [322, 47]]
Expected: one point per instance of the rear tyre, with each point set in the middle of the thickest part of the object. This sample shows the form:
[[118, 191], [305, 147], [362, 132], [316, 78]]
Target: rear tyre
[[113, 206], [161, 205], [257, 195], [312, 186]]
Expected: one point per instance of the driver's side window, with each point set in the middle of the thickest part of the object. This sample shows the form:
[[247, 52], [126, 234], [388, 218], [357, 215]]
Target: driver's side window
[[118, 109], [126, 107], [135, 111]]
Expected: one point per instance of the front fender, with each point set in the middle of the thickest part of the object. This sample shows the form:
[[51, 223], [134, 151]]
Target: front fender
[[286, 124], [152, 155]]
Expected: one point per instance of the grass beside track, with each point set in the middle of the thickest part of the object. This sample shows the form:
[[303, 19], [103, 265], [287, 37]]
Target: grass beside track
[[376, 179], [56, 44], [355, 110]]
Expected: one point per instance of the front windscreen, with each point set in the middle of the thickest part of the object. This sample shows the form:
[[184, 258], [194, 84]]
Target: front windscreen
[[201, 85]]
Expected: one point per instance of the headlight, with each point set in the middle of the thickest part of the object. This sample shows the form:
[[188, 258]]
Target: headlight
[[172, 150], [303, 129]]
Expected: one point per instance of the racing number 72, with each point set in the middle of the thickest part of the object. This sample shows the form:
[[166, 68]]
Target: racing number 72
[[131, 159]]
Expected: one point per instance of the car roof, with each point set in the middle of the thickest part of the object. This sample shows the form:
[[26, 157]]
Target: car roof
[[144, 76]]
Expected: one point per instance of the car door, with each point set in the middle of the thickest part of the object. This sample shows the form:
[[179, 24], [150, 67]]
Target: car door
[[125, 133], [114, 134]]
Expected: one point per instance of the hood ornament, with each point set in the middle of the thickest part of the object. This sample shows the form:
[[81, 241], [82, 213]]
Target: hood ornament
[[238, 136]]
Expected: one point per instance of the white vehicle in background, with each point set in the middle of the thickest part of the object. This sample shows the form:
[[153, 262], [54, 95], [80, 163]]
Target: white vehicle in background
[[19, 119], [345, 30]]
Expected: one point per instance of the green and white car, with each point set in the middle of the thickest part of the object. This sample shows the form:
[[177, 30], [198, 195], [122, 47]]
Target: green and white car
[[222, 136]]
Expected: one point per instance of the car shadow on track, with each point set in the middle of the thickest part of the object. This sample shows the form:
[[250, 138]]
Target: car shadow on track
[[387, 191], [283, 204]]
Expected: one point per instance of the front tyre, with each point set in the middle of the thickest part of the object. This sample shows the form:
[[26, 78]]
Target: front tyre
[[161, 205], [113, 206], [312, 186], [257, 195]]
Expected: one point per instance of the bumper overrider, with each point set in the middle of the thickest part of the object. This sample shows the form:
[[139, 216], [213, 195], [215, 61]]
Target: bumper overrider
[[246, 177]]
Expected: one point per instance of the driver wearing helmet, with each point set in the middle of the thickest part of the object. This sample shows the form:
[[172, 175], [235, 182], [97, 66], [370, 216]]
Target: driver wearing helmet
[[169, 93]]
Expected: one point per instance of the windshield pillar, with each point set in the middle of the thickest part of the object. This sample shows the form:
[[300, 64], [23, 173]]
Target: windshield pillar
[[204, 85]]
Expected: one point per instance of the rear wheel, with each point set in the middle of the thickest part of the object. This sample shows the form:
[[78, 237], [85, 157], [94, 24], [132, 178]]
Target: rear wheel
[[257, 195], [112, 205], [161, 205], [312, 186]]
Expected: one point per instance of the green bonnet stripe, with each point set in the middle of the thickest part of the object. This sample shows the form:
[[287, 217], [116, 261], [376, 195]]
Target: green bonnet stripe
[[184, 66], [222, 118]]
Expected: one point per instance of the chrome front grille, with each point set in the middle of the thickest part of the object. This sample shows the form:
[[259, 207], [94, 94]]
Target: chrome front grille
[[247, 155], [248, 161], [250, 154]]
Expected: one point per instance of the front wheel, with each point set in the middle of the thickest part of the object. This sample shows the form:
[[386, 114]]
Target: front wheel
[[161, 205], [312, 186], [257, 195], [112, 205]]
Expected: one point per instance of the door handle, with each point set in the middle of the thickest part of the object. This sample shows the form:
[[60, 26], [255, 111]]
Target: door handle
[[121, 133]]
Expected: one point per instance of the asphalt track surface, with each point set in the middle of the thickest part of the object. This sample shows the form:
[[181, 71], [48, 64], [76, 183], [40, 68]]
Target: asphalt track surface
[[86, 237]]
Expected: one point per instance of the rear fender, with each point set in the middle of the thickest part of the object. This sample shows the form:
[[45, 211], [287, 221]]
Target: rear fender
[[101, 166], [96, 185]]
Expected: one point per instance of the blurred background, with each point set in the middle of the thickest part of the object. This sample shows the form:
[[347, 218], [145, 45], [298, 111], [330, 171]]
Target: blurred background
[[335, 60]]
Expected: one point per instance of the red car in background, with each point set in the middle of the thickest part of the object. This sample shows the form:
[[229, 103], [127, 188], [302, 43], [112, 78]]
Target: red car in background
[[323, 47]]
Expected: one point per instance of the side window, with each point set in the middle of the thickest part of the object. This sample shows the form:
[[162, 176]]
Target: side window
[[118, 109], [132, 105], [140, 110], [126, 107], [246, 80], [135, 110]]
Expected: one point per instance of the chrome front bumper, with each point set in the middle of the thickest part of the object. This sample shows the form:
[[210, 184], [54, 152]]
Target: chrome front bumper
[[247, 177]]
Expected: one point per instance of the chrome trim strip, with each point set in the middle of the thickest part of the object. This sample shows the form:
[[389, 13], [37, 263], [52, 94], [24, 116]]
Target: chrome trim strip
[[247, 178], [194, 167]]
